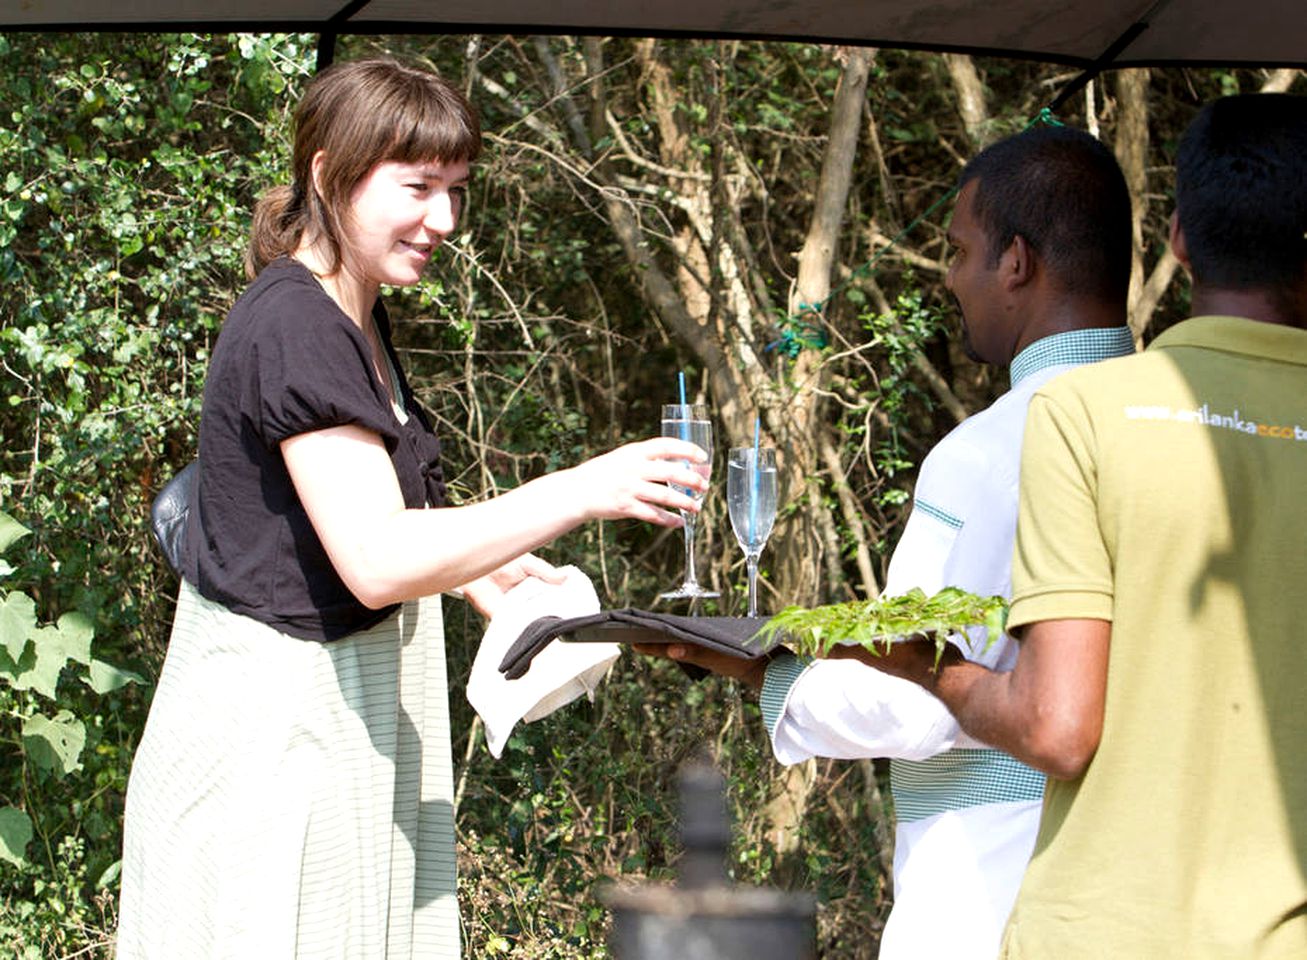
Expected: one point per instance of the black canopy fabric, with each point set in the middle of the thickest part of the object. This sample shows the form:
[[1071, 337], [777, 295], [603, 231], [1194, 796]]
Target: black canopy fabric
[[1088, 33]]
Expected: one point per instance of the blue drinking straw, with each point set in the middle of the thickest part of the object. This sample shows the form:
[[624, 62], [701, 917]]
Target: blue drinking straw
[[754, 480], [685, 423]]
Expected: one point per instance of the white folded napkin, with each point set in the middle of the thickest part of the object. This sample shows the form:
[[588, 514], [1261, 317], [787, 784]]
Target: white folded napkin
[[560, 672]]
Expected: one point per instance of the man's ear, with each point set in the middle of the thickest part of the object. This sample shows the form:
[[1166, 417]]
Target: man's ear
[[1017, 265], [1179, 246]]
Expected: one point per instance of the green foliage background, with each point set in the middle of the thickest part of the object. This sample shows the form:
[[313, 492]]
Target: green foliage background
[[128, 167]]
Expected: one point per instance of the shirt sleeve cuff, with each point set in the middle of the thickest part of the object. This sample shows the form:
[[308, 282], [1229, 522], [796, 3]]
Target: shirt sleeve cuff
[[1085, 603], [782, 673]]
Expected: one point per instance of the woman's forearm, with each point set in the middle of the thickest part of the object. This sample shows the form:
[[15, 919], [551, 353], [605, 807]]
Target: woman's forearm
[[386, 553]]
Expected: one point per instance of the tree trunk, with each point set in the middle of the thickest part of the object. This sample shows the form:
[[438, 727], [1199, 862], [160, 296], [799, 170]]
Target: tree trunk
[[811, 541], [1132, 154], [806, 571], [971, 98]]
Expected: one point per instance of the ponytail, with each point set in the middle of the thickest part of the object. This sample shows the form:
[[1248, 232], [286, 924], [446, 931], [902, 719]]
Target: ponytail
[[275, 230]]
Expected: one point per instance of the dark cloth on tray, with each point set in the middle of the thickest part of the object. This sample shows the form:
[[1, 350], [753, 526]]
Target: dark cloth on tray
[[733, 636]]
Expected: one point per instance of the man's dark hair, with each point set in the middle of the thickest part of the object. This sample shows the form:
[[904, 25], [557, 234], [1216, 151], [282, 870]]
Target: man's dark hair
[[1241, 192], [1064, 192]]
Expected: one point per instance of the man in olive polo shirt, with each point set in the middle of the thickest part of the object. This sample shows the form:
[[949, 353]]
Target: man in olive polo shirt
[[1160, 594]]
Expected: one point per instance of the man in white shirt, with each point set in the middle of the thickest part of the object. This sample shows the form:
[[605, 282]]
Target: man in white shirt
[[1157, 593], [1041, 263]]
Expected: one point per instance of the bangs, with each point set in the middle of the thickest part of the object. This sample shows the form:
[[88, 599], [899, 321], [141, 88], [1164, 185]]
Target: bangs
[[433, 127], [360, 113]]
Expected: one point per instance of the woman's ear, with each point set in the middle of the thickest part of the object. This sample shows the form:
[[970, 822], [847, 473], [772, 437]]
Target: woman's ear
[[315, 171]]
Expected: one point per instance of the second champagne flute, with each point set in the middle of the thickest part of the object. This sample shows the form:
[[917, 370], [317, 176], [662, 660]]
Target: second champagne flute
[[689, 421], [751, 502]]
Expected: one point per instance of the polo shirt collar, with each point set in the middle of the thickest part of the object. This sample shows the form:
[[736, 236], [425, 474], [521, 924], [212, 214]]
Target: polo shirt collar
[[1238, 335], [1073, 347]]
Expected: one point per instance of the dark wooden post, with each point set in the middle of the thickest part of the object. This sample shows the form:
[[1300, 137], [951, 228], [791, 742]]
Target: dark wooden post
[[703, 917]]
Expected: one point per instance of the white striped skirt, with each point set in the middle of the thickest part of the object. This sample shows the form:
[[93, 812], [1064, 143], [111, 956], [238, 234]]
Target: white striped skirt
[[293, 799]]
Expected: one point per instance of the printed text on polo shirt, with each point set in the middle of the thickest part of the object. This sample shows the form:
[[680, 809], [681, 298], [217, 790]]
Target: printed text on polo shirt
[[1203, 416]]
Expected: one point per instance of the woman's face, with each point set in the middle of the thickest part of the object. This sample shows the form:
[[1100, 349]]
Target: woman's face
[[398, 215]]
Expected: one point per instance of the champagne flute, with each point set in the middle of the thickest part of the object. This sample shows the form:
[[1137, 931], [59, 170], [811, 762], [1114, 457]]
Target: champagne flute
[[751, 502], [689, 421]]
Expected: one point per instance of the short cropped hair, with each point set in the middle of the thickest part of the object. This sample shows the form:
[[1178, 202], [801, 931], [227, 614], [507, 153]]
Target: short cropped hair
[[1241, 192], [1063, 191]]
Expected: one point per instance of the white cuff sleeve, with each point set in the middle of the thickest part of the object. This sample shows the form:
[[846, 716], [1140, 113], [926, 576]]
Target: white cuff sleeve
[[848, 710]]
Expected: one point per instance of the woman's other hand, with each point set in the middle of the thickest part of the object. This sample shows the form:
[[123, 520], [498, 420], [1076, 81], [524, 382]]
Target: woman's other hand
[[486, 593]]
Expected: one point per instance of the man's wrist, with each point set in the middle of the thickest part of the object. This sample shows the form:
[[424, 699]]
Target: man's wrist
[[917, 660]]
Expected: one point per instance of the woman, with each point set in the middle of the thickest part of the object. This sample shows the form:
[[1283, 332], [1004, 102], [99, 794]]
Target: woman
[[292, 794]]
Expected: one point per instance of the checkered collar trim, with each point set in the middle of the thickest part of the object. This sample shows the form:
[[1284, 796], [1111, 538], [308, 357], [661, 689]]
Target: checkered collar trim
[[1072, 347]]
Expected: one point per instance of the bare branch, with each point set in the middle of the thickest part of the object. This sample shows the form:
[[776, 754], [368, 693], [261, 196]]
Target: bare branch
[[527, 118], [854, 522], [1153, 291], [470, 257], [971, 97], [560, 94], [1279, 81], [935, 266], [628, 152]]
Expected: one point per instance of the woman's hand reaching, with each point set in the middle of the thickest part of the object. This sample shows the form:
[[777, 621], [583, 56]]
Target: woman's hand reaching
[[645, 480]]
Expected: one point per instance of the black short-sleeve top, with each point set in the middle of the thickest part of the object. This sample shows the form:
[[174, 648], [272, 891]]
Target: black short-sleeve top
[[288, 361]]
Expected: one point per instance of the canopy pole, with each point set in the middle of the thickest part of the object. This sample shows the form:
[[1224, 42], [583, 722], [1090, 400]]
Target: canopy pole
[[326, 50], [1108, 56], [327, 38]]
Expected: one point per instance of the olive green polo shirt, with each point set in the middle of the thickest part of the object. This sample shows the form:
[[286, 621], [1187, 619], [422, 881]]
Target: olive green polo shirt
[[1167, 493]]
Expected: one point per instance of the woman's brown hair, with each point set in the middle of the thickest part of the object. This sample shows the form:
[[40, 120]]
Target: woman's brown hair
[[358, 114]]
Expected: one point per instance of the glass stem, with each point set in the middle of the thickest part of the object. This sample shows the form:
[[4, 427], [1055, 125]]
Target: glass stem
[[751, 562], [690, 579]]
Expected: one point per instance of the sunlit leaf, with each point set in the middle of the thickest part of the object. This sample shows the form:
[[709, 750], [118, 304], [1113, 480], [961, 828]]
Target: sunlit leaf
[[106, 678], [51, 650], [10, 530], [111, 874], [12, 670], [17, 621], [54, 744], [15, 834], [75, 631]]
